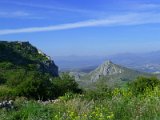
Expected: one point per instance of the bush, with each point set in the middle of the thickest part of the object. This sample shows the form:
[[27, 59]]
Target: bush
[[65, 84], [101, 92], [6, 93], [142, 84], [36, 86], [43, 87]]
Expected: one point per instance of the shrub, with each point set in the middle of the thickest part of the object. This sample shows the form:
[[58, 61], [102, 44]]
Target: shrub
[[100, 93], [43, 86], [65, 84], [36, 86], [6, 93], [141, 84]]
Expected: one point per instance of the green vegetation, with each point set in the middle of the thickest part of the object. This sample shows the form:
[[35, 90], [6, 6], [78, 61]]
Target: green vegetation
[[20, 57], [27, 72], [39, 86], [101, 104], [31, 80], [143, 84]]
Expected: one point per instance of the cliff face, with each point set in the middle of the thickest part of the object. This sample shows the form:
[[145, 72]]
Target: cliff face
[[23, 55]]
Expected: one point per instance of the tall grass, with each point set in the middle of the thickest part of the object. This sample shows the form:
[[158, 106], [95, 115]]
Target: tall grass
[[123, 105]]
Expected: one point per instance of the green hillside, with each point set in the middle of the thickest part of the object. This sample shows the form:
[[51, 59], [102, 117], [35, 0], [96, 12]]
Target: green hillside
[[26, 71], [22, 55]]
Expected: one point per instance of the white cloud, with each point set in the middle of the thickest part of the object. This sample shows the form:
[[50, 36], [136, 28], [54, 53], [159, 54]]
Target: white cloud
[[14, 14], [53, 7], [18, 14], [128, 19], [148, 6]]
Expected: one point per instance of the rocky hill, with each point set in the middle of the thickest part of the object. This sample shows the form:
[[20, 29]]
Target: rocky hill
[[107, 73], [27, 72], [22, 55], [106, 69]]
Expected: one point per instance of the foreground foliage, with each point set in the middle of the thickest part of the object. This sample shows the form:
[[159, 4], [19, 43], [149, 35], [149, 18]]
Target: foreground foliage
[[111, 104], [39, 86]]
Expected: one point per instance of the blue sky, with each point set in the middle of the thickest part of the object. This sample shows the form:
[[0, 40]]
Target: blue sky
[[82, 27]]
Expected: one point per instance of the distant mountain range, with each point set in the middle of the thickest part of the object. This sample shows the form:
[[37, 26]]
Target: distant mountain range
[[145, 62], [78, 63]]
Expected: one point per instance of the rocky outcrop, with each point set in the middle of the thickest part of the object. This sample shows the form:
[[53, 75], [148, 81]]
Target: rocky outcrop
[[47, 64], [25, 54], [106, 69], [7, 104], [50, 66], [77, 75]]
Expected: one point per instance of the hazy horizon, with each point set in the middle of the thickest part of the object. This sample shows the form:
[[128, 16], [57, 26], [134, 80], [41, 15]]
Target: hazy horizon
[[83, 28]]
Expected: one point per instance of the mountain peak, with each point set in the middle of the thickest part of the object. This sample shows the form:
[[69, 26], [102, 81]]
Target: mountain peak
[[107, 62], [106, 69]]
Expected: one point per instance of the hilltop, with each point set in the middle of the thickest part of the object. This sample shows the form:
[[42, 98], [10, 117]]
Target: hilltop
[[22, 55], [107, 73]]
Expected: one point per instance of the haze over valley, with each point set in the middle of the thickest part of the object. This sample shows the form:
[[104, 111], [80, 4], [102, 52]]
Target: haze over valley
[[144, 62]]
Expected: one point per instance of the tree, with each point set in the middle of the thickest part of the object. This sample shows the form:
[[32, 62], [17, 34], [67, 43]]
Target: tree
[[65, 84], [36, 86]]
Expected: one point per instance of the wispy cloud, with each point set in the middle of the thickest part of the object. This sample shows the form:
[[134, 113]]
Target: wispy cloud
[[120, 20], [14, 14], [18, 14], [148, 6], [53, 7]]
